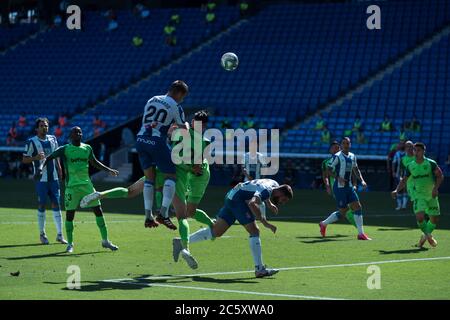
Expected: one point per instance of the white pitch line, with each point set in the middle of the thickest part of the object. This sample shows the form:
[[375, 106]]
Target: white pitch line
[[289, 268], [226, 290]]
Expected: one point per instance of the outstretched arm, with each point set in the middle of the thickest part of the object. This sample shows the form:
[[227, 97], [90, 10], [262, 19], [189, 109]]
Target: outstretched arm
[[100, 166]]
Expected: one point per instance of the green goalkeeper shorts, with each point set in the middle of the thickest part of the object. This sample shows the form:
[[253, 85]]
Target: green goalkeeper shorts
[[73, 196], [196, 185], [428, 206]]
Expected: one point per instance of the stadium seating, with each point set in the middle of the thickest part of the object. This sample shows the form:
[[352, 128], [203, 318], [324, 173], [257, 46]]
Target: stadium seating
[[63, 71], [419, 88], [13, 34], [289, 64]]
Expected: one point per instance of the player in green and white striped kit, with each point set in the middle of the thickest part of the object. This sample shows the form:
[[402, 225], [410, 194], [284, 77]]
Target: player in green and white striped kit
[[426, 178]]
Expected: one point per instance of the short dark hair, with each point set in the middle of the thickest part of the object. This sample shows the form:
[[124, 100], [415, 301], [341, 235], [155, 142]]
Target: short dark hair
[[346, 138], [179, 86], [286, 190], [420, 145], [334, 143], [201, 115], [38, 121]]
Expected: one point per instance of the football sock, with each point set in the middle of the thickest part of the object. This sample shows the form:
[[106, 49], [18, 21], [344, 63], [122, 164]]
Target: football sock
[[57, 218], [168, 193], [350, 217], [41, 220], [359, 221], [201, 235], [184, 232], [430, 227], [69, 231], [335, 216], [102, 226], [148, 199], [115, 193], [202, 217], [255, 248], [158, 199], [423, 226]]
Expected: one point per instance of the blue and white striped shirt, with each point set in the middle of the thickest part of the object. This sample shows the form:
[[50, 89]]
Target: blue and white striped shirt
[[36, 145], [261, 188], [343, 165]]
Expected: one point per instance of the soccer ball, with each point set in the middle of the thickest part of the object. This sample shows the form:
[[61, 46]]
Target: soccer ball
[[229, 61]]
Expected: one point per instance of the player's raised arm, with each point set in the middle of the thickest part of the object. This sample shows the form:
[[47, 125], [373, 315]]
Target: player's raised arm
[[100, 166]]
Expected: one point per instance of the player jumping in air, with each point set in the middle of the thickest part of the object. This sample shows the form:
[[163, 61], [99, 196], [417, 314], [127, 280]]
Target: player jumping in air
[[341, 168], [192, 180], [329, 180], [426, 178], [242, 203], [36, 149], [151, 143], [76, 157]]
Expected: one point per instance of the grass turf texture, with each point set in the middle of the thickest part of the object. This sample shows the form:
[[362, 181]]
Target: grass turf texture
[[147, 253]]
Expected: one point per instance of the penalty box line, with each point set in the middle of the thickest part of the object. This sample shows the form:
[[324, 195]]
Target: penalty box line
[[133, 281]]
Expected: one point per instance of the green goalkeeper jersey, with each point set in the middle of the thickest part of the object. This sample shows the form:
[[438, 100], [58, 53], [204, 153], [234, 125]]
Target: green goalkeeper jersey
[[325, 165], [76, 163], [197, 140], [403, 164], [422, 175]]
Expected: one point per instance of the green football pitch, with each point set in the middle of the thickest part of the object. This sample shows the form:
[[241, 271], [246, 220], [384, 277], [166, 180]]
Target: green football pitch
[[335, 267]]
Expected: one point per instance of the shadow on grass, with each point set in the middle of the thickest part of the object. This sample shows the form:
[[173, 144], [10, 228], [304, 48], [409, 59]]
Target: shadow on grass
[[54, 254], [404, 251], [143, 281], [319, 239], [394, 229], [26, 245]]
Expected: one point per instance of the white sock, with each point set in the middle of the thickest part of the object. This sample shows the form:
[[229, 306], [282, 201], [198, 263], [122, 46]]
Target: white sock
[[255, 248], [168, 193], [201, 235], [148, 199], [359, 223], [332, 218], [41, 221], [405, 200], [57, 218]]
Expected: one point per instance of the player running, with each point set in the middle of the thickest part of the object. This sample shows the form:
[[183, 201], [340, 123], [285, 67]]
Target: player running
[[329, 180], [151, 143], [36, 149], [76, 158], [427, 178], [341, 168], [402, 198], [242, 204], [406, 159]]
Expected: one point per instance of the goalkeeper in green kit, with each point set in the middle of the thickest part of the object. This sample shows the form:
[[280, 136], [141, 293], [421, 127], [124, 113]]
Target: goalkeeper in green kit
[[76, 157], [426, 179]]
